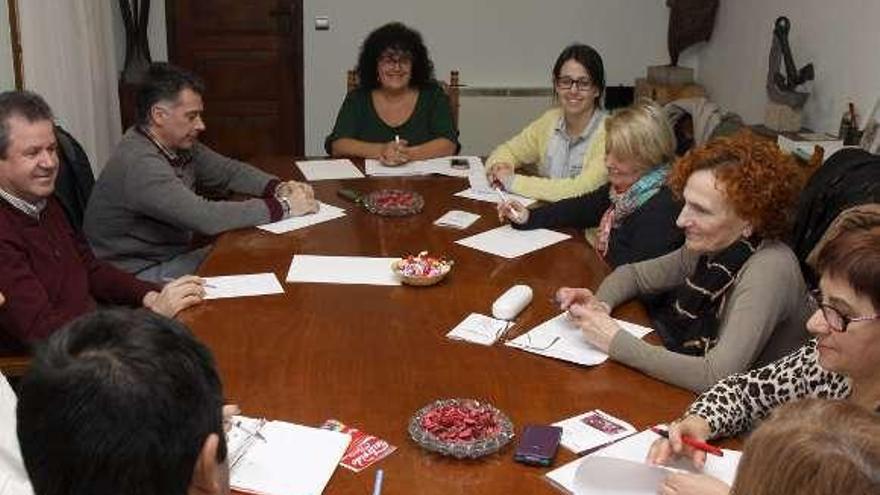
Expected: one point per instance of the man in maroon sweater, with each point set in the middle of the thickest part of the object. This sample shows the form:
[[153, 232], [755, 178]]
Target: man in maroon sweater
[[47, 269]]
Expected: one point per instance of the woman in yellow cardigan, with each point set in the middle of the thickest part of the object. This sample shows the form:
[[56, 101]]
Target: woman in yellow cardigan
[[568, 142]]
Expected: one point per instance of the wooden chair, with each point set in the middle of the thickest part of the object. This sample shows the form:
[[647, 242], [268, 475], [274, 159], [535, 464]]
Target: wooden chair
[[14, 366], [451, 89]]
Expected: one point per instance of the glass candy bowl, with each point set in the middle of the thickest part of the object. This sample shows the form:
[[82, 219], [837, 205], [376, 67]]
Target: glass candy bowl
[[462, 428]]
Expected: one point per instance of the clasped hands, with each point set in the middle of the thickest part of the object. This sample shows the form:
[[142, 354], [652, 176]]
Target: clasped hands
[[590, 314], [395, 152], [299, 195]]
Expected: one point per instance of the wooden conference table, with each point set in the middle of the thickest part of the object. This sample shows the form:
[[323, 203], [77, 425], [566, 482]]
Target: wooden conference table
[[370, 356]]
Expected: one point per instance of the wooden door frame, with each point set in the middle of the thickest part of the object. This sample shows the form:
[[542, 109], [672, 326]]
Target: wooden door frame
[[295, 52]]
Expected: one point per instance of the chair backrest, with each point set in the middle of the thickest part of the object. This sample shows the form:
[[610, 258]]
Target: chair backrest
[[451, 89], [75, 178], [13, 366]]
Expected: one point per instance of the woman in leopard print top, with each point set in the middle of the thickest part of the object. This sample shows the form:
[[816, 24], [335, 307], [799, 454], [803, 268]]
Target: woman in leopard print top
[[842, 362]]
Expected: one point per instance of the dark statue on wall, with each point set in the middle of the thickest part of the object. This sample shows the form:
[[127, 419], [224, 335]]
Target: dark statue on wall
[[690, 22], [782, 89], [135, 16]]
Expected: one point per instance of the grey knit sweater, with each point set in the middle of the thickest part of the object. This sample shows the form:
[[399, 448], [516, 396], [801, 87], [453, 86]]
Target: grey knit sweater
[[762, 317], [144, 211]]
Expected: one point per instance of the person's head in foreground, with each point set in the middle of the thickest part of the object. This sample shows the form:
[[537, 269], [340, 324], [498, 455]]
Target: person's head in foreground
[[812, 447], [123, 402], [734, 188]]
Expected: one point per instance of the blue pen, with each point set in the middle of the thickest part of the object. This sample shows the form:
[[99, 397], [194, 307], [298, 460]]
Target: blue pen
[[377, 485]]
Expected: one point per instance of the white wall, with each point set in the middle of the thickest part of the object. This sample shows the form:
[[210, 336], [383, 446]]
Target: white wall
[[492, 43], [840, 38]]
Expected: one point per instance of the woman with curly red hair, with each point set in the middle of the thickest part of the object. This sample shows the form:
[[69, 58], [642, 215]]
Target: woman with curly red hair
[[733, 296]]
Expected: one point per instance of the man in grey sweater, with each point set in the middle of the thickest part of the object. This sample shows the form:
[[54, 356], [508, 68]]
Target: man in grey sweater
[[145, 208]]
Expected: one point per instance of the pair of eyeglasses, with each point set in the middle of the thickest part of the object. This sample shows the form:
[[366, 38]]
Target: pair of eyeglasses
[[566, 82], [396, 59], [835, 319]]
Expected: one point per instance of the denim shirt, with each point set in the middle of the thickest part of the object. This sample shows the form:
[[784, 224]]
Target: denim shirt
[[565, 155]]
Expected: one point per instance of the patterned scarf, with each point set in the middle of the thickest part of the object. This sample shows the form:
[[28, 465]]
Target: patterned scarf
[[626, 202], [690, 324]]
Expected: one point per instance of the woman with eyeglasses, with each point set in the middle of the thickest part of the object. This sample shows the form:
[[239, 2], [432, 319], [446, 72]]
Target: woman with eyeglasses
[[841, 362], [398, 113], [733, 297], [567, 143], [635, 211]]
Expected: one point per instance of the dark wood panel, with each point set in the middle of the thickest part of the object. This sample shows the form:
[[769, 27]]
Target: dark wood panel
[[371, 356], [250, 56]]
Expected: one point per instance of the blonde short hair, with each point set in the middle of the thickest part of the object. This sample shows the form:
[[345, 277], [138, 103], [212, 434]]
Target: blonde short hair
[[641, 133]]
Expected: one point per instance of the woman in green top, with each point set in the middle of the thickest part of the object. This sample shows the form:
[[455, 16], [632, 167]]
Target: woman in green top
[[399, 113]]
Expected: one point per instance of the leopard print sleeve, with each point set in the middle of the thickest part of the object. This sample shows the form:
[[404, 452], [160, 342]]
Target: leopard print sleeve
[[735, 403]]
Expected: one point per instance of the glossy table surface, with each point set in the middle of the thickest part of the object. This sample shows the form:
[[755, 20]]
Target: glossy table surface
[[370, 356]]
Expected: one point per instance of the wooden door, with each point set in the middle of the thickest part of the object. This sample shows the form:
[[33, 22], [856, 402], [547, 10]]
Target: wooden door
[[250, 56]]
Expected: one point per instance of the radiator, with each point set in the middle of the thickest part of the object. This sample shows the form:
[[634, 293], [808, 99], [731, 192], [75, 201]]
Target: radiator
[[488, 116]]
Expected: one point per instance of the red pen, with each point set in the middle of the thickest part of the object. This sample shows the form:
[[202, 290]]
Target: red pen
[[693, 442]]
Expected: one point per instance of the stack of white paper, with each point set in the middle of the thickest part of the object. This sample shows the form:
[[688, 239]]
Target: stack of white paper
[[325, 213], [457, 219], [491, 196], [560, 338], [256, 284], [507, 242], [328, 169], [441, 166], [479, 329], [342, 270], [289, 459], [621, 469]]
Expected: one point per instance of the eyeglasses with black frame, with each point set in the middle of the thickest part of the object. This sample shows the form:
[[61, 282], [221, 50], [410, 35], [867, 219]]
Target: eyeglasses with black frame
[[835, 319], [566, 82]]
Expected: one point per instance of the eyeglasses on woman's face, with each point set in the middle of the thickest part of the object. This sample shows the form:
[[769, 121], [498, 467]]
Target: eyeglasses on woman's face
[[836, 320], [566, 82], [392, 58]]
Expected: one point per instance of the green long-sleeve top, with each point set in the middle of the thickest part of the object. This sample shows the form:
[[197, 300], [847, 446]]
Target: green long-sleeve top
[[431, 119]]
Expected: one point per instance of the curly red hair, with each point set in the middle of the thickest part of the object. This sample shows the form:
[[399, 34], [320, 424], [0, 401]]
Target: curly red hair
[[761, 182]]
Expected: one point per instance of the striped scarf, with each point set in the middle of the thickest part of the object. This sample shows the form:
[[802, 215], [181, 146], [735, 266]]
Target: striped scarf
[[626, 202], [690, 324]]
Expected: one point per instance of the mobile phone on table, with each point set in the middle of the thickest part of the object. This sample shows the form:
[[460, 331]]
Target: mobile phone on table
[[538, 445], [460, 163]]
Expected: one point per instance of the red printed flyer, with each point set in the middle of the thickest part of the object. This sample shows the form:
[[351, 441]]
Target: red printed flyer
[[364, 449]]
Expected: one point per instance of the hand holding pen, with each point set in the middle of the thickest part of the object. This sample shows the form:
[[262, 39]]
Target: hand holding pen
[[511, 210], [176, 295], [673, 443]]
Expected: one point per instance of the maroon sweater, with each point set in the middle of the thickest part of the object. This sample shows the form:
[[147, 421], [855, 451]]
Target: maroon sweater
[[50, 276]]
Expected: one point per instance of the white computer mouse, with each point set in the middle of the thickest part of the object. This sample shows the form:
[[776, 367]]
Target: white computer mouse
[[509, 304]]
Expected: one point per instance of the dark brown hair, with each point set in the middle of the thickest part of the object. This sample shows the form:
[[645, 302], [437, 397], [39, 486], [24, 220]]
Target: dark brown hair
[[854, 256]]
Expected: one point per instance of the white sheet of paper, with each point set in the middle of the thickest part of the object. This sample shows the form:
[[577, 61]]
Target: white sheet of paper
[[328, 169], [507, 242], [442, 166], [457, 219], [342, 270], [630, 474], [491, 196], [293, 459], [479, 329], [256, 284], [325, 213], [578, 436], [569, 344]]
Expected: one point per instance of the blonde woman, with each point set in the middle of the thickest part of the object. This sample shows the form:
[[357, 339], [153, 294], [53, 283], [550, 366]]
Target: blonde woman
[[635, 211], [567, 143]]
